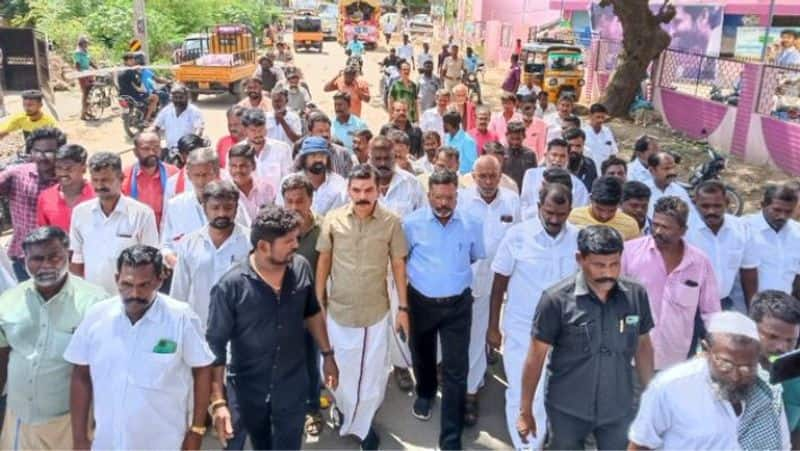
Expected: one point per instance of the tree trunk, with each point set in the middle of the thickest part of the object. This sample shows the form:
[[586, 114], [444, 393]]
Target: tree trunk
[[643, 40]]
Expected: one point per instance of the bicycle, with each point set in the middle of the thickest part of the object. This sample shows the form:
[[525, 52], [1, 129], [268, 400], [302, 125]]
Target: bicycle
[[101, 95]]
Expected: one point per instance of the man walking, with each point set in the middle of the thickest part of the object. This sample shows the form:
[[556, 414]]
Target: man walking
[[345, 124], [273, 158], [604, 209], [137, 363], [664, 183], [429, 85], [457, 138], [442, 244], [357, 244], [179, 118], [557, 157], [261, 308], [451, 68], [54, 205], [146, 180], [314, 161], [431, 120], [593, 324], [37, 319]]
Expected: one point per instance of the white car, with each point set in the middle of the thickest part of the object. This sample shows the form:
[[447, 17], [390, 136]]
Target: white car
[[421, 24]]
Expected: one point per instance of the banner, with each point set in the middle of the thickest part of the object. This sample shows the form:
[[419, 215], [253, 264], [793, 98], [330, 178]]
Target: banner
[[750, 41]]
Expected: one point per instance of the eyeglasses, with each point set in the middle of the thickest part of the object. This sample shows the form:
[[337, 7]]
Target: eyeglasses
[[726, 366]]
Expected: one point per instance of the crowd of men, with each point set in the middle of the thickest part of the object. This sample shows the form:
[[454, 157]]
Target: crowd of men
[[143, 303]]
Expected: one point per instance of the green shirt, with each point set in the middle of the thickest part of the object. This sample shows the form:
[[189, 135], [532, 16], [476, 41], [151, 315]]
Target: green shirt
[[407, 94], [82, 59], [308, 244], [38, 333], [791, 402]]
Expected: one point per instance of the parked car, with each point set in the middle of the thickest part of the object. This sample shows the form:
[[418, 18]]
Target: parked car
[[421, 24]]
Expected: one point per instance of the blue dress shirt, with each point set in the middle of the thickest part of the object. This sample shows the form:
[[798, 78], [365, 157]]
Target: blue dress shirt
[[440, 256], [467, 150]]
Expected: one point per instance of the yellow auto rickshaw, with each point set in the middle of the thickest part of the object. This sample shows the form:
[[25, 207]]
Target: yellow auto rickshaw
[[307, 32], [556, 66]]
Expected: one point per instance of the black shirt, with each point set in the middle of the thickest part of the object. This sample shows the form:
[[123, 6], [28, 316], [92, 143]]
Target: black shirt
[[593, 344], [266, 333], [414, 136], [129, 83], [517, 162], [392, 61], [586, 171]]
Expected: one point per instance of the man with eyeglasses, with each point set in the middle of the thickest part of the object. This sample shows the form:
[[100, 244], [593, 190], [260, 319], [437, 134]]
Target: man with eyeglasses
[[21, 185]]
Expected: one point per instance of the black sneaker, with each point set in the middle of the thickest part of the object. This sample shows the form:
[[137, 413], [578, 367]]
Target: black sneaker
[[371, 441], [422, 408]]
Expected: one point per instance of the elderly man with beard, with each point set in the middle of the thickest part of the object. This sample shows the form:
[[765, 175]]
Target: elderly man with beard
[[699, 404], [144, 383], [357, 245], [314, 161], [443, 243], [37, 319], [679, 278], [146, 180], [497, 209], [593, 324], [256, 96], [557, 156]]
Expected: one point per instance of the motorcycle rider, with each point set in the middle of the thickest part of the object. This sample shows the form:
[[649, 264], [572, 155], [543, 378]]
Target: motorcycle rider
[[130, 85], [356, 47], [471, 61], [179, 118], [149, 80]]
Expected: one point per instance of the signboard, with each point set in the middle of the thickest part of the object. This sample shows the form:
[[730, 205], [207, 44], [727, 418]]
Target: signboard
[[750, 40]]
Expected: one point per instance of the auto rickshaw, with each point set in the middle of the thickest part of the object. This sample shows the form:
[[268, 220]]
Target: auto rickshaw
[[557, 67], [307, 32]]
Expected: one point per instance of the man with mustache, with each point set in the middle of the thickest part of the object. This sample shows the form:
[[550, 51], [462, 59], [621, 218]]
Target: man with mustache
[[361, 141], [497, 209], [699, 404], [726, 241], [137, 363], [102, 228], [54, 205], [283, 124], [664, 170], [579, 164], [679, 278], [644, 147], [146, 180], [205, 254], [635, 199], [774, 238], [443, 243], [599, 137], [254, 192], [185, 212], [273, 158], [314, 161], [519, 158], [604, 209], [429, 85], [532, 256], [431, 120], [777, 317], [319, 125], [557, 157], [256, 96], [235, 133], [179, 118], [345, 124], [399, 121], [593, 324], [37, 319], [21, 184], [357, 245]]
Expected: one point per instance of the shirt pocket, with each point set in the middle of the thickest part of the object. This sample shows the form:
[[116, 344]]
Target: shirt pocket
[[735, 258], [153, 370], [577, 337], [59, 341], [685, 296]]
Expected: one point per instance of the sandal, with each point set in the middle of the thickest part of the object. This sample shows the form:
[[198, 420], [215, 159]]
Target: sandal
[[314, 424], [403, 378], [471, 410]]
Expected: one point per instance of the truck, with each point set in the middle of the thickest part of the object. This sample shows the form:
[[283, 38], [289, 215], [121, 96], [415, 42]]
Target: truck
[[230, 59], [360, 18]]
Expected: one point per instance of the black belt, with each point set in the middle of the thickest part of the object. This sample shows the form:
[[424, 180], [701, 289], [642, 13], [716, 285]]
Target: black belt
[[443, 300]]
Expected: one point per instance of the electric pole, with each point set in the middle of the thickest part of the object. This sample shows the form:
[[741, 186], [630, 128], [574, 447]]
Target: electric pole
[[140, 25]]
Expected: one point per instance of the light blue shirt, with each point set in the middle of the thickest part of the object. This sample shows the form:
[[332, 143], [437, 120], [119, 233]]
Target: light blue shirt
[[356, 47], [344, 131], [467, 150], [440, 256], [471, 63], [789, 57]]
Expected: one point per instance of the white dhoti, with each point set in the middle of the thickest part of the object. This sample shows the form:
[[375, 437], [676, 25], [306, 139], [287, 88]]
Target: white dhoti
[[399, 354], [362, 356], [516, 342], [477, 343]]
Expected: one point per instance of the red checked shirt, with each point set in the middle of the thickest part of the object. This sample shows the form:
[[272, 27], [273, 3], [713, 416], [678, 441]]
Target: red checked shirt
[[150, 188], [52, 208], [22, 185]]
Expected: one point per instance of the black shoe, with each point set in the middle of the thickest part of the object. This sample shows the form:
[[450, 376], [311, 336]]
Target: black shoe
[[371, 441], [403, 378], [422, 408]]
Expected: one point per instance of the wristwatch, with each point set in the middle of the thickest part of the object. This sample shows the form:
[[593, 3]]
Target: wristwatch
[[199, 430], [328, 353]]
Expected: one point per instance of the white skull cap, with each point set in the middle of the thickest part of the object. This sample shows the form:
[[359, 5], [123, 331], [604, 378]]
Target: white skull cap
[[733, 323]]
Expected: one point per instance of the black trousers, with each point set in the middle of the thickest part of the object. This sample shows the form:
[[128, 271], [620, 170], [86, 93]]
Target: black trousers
[[568, 432], [273, 430], [451, 321]]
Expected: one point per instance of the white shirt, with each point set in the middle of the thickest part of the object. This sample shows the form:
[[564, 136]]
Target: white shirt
[[431, 121], [171, 189], [274, 162], [555, 126], [777, 254], [422, 165], [275, 130], [406, 52], [331, 194], [175, 127], [547, 113], [184, 214], [524, 90], [602, 144], [533, 260], [728, 250], [405, 194], [638, 172], [201, 265], [496, 217], [422, 57], [96, 240], [7, 279], [141, 398], [679, 410], [531, 184], [673, 189]]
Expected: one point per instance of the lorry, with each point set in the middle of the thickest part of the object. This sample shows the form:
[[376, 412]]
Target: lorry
[[231, 58], [360, 18]]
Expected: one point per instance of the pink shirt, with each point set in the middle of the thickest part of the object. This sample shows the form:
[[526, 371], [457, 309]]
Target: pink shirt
[[674, 297], [536, 138], [482, 138], [262, 193], [498, 125]]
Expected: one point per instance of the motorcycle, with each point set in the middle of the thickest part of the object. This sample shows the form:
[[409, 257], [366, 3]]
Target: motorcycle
[[712, 170], [133, 111], [470, 79], [732, 99]]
